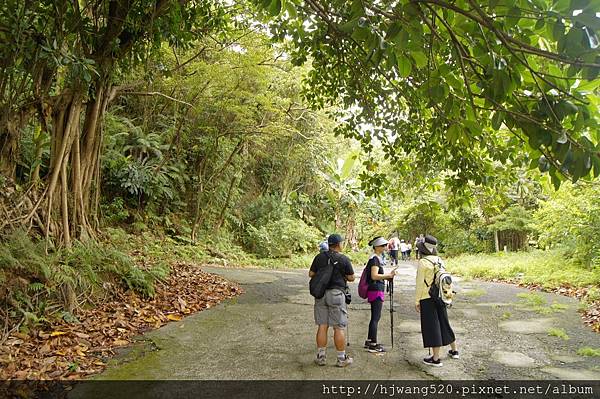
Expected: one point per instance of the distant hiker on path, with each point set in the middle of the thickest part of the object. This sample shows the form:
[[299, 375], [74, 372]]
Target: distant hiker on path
[[393, 247], [404, 249], [323, 246], [435, 327], [417, 241], [375, 292], [331, 309]]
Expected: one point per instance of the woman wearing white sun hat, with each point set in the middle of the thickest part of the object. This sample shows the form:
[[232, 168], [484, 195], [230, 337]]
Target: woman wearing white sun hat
[[375, 293]]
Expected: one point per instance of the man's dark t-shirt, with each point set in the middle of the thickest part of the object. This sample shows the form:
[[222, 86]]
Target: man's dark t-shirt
[[341, 267]]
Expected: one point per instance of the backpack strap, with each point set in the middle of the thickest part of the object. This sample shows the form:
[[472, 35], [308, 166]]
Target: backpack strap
[[329, 260], [434, 272]]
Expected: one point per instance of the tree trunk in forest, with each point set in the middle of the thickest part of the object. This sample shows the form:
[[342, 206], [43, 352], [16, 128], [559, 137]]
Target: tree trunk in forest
[[351, 233], [226, 205], [496, 242], [11, 124], [8, 153]]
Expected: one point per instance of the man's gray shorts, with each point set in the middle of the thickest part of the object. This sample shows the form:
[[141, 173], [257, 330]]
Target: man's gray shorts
[[331, 309]]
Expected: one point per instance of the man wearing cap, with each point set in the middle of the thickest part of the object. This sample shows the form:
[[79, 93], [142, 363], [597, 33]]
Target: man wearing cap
[[331, 309]]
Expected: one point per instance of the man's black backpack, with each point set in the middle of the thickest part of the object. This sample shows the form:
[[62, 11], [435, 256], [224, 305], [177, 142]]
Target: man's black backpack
[[319, 282]]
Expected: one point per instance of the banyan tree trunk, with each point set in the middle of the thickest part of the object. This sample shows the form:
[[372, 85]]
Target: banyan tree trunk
[[8, 152], [68, 205]]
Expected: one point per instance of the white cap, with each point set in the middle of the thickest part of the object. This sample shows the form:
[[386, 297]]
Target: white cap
[[379, 241]]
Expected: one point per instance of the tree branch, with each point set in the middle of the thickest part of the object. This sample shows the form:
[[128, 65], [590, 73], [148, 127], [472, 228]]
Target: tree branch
[[156, 93]]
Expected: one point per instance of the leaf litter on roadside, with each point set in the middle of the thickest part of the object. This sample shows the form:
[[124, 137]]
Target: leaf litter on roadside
[[70, 351]]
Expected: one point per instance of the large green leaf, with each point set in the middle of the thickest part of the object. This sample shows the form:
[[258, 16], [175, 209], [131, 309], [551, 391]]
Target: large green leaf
[[420, 59], [275, 7], [404, 65], [348, 165]]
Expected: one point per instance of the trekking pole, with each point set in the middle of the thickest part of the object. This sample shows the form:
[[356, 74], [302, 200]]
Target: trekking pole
[[391, 292], [347, 328]]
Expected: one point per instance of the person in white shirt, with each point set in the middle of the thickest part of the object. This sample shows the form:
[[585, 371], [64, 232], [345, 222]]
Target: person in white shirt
[[404, 249], [393, 247]]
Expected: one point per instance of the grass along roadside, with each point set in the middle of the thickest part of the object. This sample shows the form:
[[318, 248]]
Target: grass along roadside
[[212, 250], [549, 271]]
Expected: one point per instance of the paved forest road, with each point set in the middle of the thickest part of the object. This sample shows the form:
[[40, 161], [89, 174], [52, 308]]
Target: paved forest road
[[268, 333]]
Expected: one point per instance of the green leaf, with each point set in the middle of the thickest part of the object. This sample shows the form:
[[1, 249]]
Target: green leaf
[[540, 24], [588, 20], [420, 59], [590, 73], [555, 181], [404, 65], [579, 4], [393, 31], [275, 8], [596, 165], [558, 30], [514, 14], [497, 119], [357, 9], [348, 165], [453, 133], [291, 9], [538, 137], [562, 6], [589, 86], [565, 108], [349, 26], [402, 39], [473, 126], [361, 34]]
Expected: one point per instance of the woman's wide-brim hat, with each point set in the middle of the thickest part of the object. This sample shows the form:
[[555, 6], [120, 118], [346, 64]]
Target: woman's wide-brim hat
[[378, 242], [428, 245]]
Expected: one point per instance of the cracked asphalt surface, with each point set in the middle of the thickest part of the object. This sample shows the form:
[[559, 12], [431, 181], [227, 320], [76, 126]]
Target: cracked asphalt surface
[[268, 333]]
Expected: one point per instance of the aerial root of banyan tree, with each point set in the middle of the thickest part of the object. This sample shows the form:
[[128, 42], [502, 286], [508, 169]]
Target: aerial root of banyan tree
[[63, 205]]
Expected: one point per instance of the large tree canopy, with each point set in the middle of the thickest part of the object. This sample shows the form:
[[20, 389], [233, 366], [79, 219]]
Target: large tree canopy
[[460, 84], [60, 62]]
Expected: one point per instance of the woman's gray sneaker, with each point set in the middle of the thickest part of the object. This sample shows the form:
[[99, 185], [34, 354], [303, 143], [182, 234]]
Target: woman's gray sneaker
[[346, 361]]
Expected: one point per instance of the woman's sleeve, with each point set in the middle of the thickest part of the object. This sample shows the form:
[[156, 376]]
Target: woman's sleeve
[[420, 289], [373, 262]]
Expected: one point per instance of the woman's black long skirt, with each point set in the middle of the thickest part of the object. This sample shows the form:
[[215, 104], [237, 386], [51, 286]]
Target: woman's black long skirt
[[435, 327]]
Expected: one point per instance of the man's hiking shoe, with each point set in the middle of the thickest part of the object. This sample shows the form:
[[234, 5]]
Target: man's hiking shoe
[[320, 360], [376, 348], [435, 363], [346, 361], [453, 354]]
